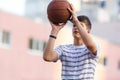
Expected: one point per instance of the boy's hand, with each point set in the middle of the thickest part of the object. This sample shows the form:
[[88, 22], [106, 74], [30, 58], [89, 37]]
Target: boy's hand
[[73, 14], [56, 28]]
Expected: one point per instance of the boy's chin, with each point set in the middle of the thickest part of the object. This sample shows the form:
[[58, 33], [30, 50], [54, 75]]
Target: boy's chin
[[77, 37]]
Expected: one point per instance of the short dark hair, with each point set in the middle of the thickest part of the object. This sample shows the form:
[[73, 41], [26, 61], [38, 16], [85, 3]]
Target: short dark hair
[[85, 19]]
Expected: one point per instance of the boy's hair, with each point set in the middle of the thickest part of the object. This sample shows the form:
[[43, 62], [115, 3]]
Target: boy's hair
[[85, 20]]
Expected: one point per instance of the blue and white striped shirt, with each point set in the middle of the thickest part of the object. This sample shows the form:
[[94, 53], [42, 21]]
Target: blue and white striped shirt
[[78, 63]]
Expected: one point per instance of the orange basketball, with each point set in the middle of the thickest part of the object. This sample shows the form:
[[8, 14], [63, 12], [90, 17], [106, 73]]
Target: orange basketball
[[57, 11]]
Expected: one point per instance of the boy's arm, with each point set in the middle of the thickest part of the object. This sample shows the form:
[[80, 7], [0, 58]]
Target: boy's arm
[[49, 54], [86, 37], [88, 41]]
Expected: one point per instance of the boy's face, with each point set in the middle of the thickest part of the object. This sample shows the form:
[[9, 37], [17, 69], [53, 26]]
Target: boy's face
[[76, 33]]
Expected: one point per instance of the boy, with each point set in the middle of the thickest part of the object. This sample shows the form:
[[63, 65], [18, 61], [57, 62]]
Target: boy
[[78, 59]]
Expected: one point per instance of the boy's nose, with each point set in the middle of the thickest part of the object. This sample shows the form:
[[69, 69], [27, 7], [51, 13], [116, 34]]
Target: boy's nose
[[75, 27]]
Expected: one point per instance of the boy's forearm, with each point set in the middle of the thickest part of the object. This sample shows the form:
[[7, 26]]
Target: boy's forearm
[[49, 49], [87, 39], [85, 36]]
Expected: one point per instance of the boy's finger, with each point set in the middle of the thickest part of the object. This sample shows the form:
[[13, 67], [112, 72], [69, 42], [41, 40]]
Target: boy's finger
[[69, 10]]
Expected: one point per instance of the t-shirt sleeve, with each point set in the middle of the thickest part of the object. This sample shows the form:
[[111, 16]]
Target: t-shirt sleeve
[[59, 51]]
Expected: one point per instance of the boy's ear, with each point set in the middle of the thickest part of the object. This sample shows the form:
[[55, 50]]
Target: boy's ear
[[88, 30]]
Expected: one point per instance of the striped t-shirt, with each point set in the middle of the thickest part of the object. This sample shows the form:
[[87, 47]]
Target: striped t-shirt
[[78, 63]]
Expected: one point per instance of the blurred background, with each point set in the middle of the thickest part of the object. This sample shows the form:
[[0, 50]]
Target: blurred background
[[24, 31]]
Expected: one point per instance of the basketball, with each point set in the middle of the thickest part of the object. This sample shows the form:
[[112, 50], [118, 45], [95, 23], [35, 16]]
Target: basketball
[[57, 11]]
